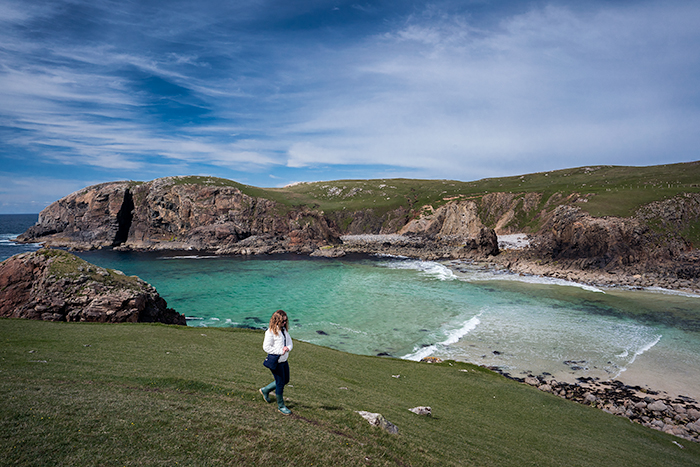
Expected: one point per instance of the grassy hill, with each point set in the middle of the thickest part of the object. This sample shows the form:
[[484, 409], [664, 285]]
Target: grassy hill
[[608, 191], [91, 394], [617, 190]]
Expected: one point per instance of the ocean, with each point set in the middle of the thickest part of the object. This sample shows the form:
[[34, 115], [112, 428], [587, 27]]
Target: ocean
[[411, 309], [12, 225]]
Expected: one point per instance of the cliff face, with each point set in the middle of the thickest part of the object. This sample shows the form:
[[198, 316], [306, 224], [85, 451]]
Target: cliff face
[[170, 214], [96, 216], [54, 285], [571, 234], [650, 242]]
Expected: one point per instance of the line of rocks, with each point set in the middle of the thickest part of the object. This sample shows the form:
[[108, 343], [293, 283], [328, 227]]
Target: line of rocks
[[678, 416]]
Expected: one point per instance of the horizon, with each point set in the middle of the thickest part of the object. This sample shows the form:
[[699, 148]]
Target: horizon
[[268, 94]]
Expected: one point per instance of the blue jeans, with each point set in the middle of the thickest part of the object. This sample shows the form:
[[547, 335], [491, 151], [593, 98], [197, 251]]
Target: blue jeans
[[281, 374]]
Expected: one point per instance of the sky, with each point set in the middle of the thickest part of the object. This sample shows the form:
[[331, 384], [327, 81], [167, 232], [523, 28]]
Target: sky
[[272, 92]]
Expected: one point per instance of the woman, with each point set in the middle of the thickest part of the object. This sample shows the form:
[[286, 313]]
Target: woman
[[278, 342]]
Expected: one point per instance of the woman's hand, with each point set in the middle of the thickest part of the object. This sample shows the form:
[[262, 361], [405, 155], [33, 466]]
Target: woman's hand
[[285, 349]]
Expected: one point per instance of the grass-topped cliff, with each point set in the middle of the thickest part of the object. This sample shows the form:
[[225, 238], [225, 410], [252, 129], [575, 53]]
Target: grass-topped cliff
[[82, 394], [599, 190], [457, 219]]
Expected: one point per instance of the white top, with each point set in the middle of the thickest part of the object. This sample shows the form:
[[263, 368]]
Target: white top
[[274, 343]]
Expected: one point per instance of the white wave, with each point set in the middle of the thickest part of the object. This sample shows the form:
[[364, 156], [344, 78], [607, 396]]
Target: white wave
[[672, 292], [452, 338], [214, 319], [10, 239], [429, 268], [421, 354], [640, 351], [492, 275]]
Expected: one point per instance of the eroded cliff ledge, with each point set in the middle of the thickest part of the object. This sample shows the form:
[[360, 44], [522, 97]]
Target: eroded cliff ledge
[[54, 285]]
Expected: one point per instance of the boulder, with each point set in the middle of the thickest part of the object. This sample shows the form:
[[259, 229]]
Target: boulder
[[378, 420], [589, 398], [54, 285], [657, 406], [422, 410]]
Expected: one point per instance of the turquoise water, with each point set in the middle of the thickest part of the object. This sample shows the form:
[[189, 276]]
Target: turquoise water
[[411, 309]]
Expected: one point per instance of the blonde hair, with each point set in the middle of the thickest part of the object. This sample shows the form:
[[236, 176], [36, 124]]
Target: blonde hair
[[278, 321]]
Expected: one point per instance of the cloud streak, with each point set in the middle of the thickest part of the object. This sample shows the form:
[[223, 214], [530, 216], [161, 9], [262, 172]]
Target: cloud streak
[[259, 90]]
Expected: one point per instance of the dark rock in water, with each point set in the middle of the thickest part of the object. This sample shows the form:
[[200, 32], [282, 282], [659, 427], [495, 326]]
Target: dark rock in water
[[383, 354], [496, 352], [323, 333], [254, 318], [54, 285]]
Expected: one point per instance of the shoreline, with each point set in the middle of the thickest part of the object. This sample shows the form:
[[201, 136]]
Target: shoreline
[[678, 416]]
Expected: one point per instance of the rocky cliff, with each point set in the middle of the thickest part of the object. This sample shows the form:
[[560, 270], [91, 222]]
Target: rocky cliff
[[175, 213], [199, 213], [54, 285], [214, 215]]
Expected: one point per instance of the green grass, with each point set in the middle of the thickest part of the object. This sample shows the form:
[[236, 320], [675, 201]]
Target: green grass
[[67, 265], [138, 394]]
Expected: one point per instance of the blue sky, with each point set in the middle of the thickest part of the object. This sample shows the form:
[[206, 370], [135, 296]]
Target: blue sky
[[273, 92]]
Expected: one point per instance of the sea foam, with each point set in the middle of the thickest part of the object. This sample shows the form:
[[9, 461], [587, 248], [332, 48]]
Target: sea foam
[[429, 268], [452, 338], [645, 348]]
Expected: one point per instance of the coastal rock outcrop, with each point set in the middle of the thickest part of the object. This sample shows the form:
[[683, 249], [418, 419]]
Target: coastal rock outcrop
[[452, 231], [570, 234], [179, 213], [652, 247], [96, 216], [54, 285]]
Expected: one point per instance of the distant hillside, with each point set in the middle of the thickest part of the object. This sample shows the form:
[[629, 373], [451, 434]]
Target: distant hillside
[[598, 190]]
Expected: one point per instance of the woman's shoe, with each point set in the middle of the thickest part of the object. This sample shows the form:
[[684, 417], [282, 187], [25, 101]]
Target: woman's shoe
[[266, 391], [282, 408]]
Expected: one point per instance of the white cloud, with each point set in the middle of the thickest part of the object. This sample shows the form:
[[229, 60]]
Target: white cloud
[[559, 85]]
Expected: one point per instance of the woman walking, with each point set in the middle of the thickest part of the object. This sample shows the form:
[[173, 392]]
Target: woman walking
[[278, 342]]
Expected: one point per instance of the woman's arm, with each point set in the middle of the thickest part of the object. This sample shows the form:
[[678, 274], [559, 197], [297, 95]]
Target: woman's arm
[[290, 344], [269, 342]]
